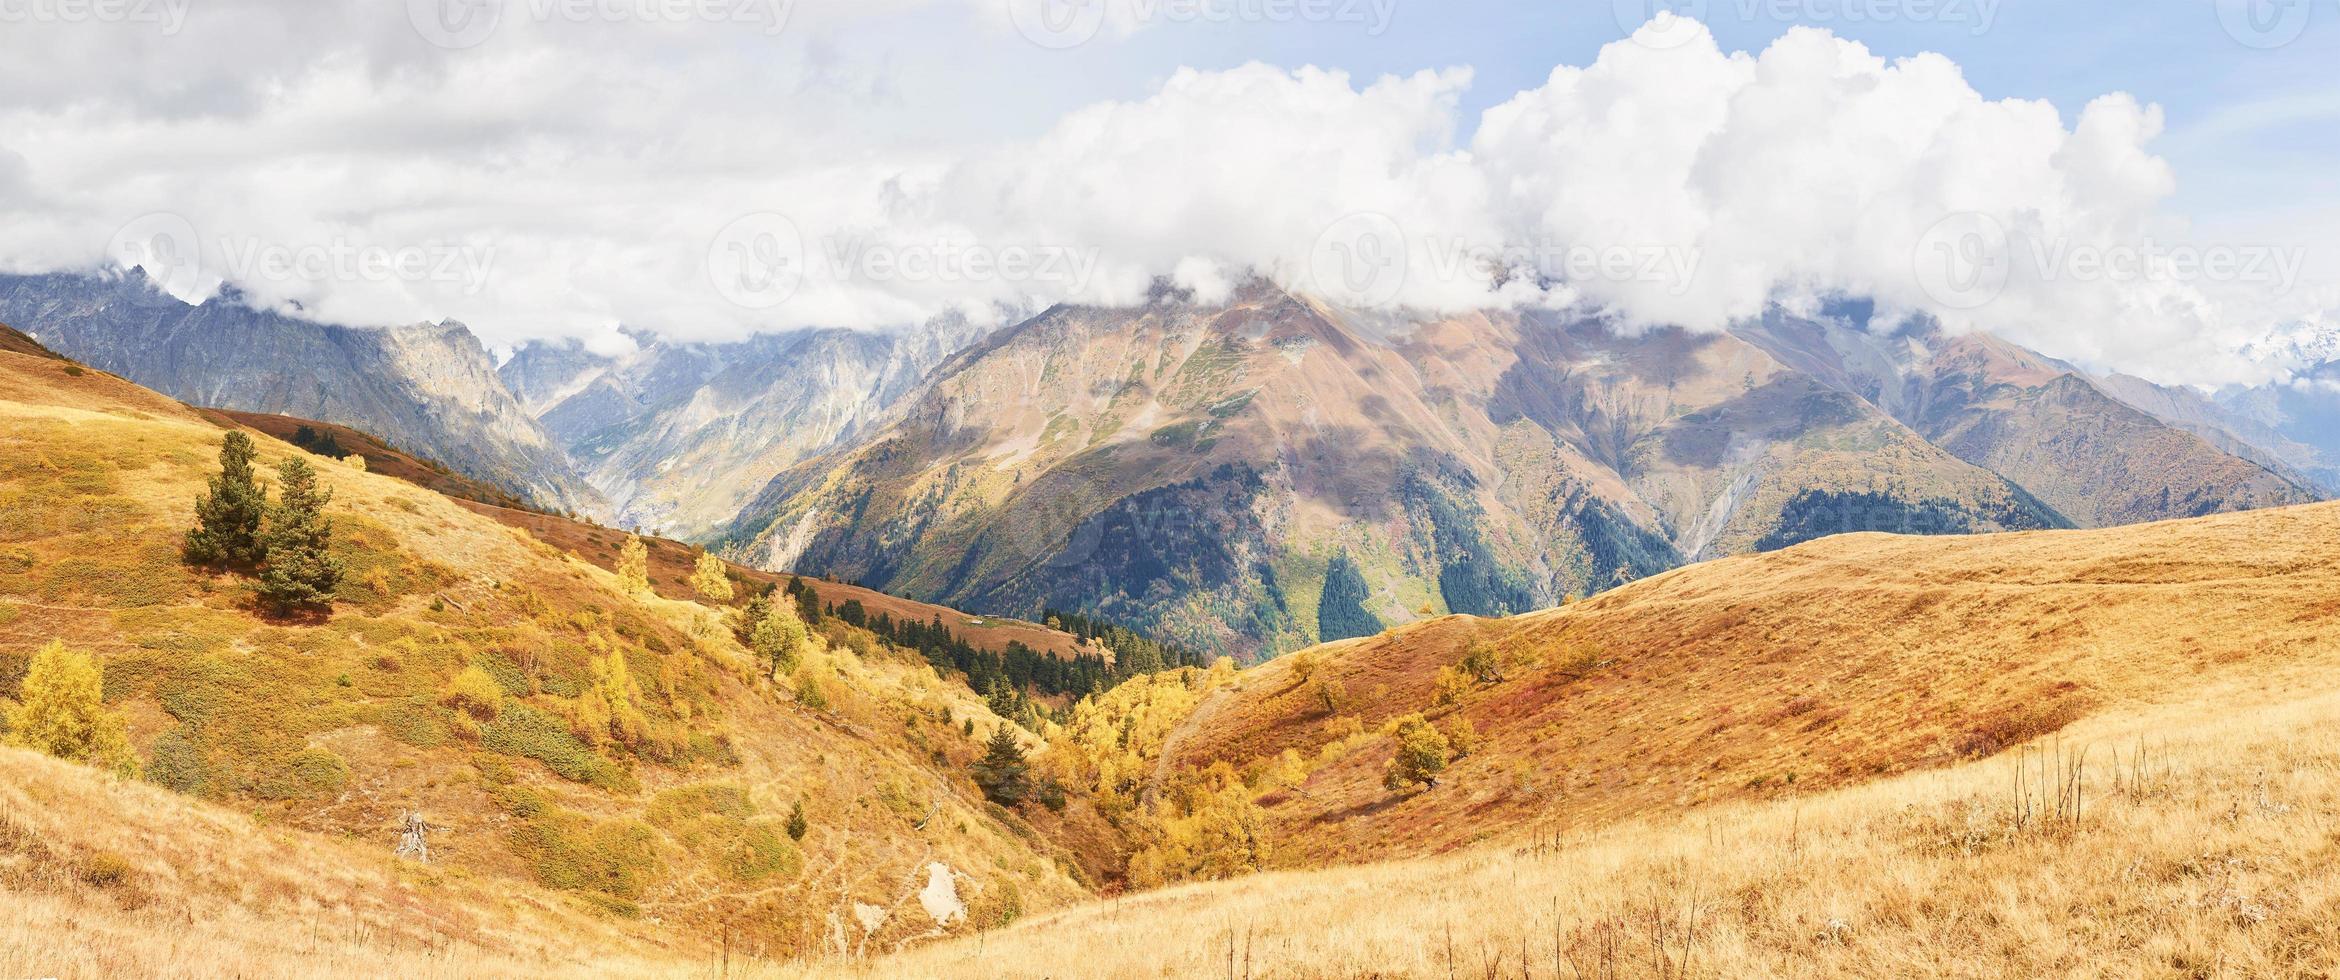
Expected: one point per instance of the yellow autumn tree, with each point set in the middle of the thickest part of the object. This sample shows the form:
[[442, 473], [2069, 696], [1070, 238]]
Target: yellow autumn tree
[[633, 567], [610, 709], [712, 579], [1421, 755], [63, 712], [780, 639]]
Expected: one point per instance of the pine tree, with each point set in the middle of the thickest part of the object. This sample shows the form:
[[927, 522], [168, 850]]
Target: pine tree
[[1002, 769], [712, 579], [633, 567], [797, 825], [228, 515], [63, 712], [301, 569]]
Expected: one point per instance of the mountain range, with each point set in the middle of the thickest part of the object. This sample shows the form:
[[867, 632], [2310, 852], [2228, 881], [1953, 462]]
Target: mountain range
[[1232, 475], [495, 746], [1257, 474]]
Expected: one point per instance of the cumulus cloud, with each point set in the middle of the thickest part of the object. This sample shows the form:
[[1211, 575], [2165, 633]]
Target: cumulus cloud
[[572, 177]]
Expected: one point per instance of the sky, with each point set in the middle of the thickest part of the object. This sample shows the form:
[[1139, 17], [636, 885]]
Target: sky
[[2146, 186]]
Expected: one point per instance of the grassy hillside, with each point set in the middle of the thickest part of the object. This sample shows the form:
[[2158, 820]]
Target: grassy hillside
[[2192, 842], [1766, 675], [1862, 754], [669, 825], [670, 570]]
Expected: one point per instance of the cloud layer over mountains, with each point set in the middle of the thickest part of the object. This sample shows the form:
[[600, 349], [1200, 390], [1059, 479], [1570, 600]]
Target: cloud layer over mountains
[[560, 181]]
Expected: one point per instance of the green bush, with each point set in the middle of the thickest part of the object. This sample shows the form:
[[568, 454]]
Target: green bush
[[531, 734], [177, 763], [416, 722]]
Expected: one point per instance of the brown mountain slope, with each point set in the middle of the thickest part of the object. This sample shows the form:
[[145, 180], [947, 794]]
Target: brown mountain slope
[[2064, 437], [15, 341], [1219, 473], [1824, 665], [664, 819]]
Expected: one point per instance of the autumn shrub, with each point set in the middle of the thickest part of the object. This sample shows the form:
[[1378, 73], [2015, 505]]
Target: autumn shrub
[[524, 731], [475, 693], [176, 762], [1482, 664], [1450, 686], [2015, 725]]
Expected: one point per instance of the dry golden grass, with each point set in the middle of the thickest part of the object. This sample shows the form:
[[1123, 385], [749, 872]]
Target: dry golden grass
[[335, 723], [2212, 855], [1774, 675], [104, 878]]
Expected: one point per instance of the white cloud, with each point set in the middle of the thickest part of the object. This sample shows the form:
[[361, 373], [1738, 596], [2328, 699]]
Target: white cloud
[[575, 175]]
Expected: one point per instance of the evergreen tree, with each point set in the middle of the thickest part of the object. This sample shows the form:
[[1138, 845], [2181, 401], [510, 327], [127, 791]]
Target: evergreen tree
[[62, 712], [797, 825], [301, 569], [712, 579], [228, 515], [633, 567], [1340, 610], [1001, 771]]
